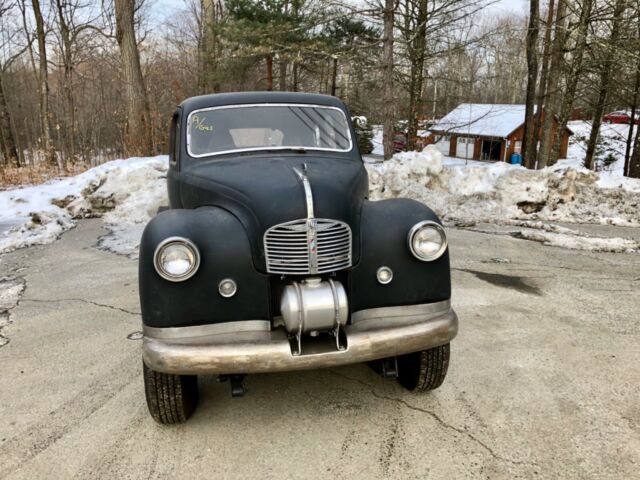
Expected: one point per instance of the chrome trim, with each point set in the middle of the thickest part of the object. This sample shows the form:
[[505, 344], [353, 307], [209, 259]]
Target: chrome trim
[[308, 193], [440, 230], [189, 244], [381, 269], [257, 352], [173, 333], [401, 311], [290, 250], [257, 149], [312, 233]]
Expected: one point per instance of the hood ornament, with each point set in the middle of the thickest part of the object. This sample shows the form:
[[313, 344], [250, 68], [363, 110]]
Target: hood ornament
[[312, 229]]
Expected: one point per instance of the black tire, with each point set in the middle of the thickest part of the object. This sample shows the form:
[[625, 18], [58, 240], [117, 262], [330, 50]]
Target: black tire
[[170, 398], [425, 370]]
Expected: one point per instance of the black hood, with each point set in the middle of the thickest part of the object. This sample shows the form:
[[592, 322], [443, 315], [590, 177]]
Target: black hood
[[263, 191]]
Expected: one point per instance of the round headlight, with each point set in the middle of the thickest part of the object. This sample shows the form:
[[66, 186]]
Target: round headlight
[[427, 241], [177, 259]]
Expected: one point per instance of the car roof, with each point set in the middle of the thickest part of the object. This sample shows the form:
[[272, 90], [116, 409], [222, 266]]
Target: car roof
[[223, 99]]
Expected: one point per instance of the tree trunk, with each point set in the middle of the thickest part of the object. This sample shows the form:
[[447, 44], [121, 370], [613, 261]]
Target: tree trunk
[[529, 144], [634, 164], [634, 110], [632, 124], [7, 137], [137, 138], [387, 95], [43, 86], [553, 86], [605, 80], [416, 80], [542, 84], [282, 73], [334, 75], [67, 60], [269, 73], [573, 77], [208, 46]]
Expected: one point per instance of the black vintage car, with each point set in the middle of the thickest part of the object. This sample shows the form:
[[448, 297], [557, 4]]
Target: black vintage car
[[271, 257]]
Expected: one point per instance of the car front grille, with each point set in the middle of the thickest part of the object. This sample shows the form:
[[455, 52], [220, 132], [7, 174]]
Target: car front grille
[[308, 247]]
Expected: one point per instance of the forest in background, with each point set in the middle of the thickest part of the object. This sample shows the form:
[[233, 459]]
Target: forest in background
[[83, 81]]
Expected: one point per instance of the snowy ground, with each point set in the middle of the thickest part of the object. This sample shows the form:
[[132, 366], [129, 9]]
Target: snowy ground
[[613, 145], [127, 193]]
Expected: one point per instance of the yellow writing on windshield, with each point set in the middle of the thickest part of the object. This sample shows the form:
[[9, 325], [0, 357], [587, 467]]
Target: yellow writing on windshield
[[198, 124]]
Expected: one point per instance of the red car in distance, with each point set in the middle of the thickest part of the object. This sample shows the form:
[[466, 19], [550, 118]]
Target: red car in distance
[[621, 116]]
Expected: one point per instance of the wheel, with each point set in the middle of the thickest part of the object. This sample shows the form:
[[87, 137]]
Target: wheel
[[170, 398], [425, 370]]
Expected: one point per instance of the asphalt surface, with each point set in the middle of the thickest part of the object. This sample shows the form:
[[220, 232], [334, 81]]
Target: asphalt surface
[[544, 380]]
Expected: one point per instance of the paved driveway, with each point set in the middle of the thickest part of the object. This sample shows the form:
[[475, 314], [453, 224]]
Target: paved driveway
[[544, 381]]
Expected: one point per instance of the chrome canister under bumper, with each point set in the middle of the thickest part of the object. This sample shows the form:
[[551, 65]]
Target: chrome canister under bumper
[[251, 347]]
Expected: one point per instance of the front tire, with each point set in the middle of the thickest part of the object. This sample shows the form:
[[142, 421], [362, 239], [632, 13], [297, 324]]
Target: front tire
[[170, 398], [425, 370]]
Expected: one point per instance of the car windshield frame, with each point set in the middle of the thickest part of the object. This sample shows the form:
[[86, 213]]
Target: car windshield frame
[[266, 148]]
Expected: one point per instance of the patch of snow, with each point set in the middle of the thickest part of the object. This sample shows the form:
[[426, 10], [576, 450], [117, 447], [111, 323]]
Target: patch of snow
[[612, 145], [474, 192], [577, 242], [126, 193], [10, 291], [378, 146]]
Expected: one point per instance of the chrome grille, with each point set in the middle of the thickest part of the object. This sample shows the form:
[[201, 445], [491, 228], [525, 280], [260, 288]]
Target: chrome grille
[[307, 247]]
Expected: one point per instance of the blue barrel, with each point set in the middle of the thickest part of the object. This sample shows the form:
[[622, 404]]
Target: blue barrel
[[516, 159]]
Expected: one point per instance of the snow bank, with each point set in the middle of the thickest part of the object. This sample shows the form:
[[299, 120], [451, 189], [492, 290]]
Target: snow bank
[[499, 193], [126, 193], [496, 192]]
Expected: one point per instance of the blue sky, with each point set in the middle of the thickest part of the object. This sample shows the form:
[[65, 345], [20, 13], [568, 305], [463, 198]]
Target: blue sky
[[161, 9]]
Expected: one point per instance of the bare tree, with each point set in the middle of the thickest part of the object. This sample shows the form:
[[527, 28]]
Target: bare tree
[[387, 65], [529, 144], [8, 147], [553, 90], [415, 28], [606, 70], [632, 160], [544, 75], [43, 84], [635, 98], [574, 74], [138, 139]]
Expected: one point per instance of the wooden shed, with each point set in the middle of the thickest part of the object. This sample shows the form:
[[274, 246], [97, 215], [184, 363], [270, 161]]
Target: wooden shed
[[485, 132]]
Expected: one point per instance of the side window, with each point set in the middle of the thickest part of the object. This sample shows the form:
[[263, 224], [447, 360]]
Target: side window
[[174, 138]]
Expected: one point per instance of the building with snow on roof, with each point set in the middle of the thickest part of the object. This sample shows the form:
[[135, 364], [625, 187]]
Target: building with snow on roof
[[488, 132]]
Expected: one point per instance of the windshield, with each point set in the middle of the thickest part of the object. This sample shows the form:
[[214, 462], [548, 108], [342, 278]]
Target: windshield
[[267, 127]]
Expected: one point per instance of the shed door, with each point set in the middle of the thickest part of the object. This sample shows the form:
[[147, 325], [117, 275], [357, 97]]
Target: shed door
[[464, 148]]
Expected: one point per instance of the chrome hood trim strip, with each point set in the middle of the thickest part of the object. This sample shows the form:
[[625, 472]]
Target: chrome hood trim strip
[[312, 230], [308, 193]]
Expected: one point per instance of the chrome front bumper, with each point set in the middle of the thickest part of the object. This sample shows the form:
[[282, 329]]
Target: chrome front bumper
[[251, 347]]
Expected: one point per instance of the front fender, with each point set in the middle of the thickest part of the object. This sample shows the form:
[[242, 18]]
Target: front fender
[[383, 236], [225, 253]]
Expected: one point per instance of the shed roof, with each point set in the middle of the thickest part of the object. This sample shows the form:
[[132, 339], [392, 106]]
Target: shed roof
[[487, 120]]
